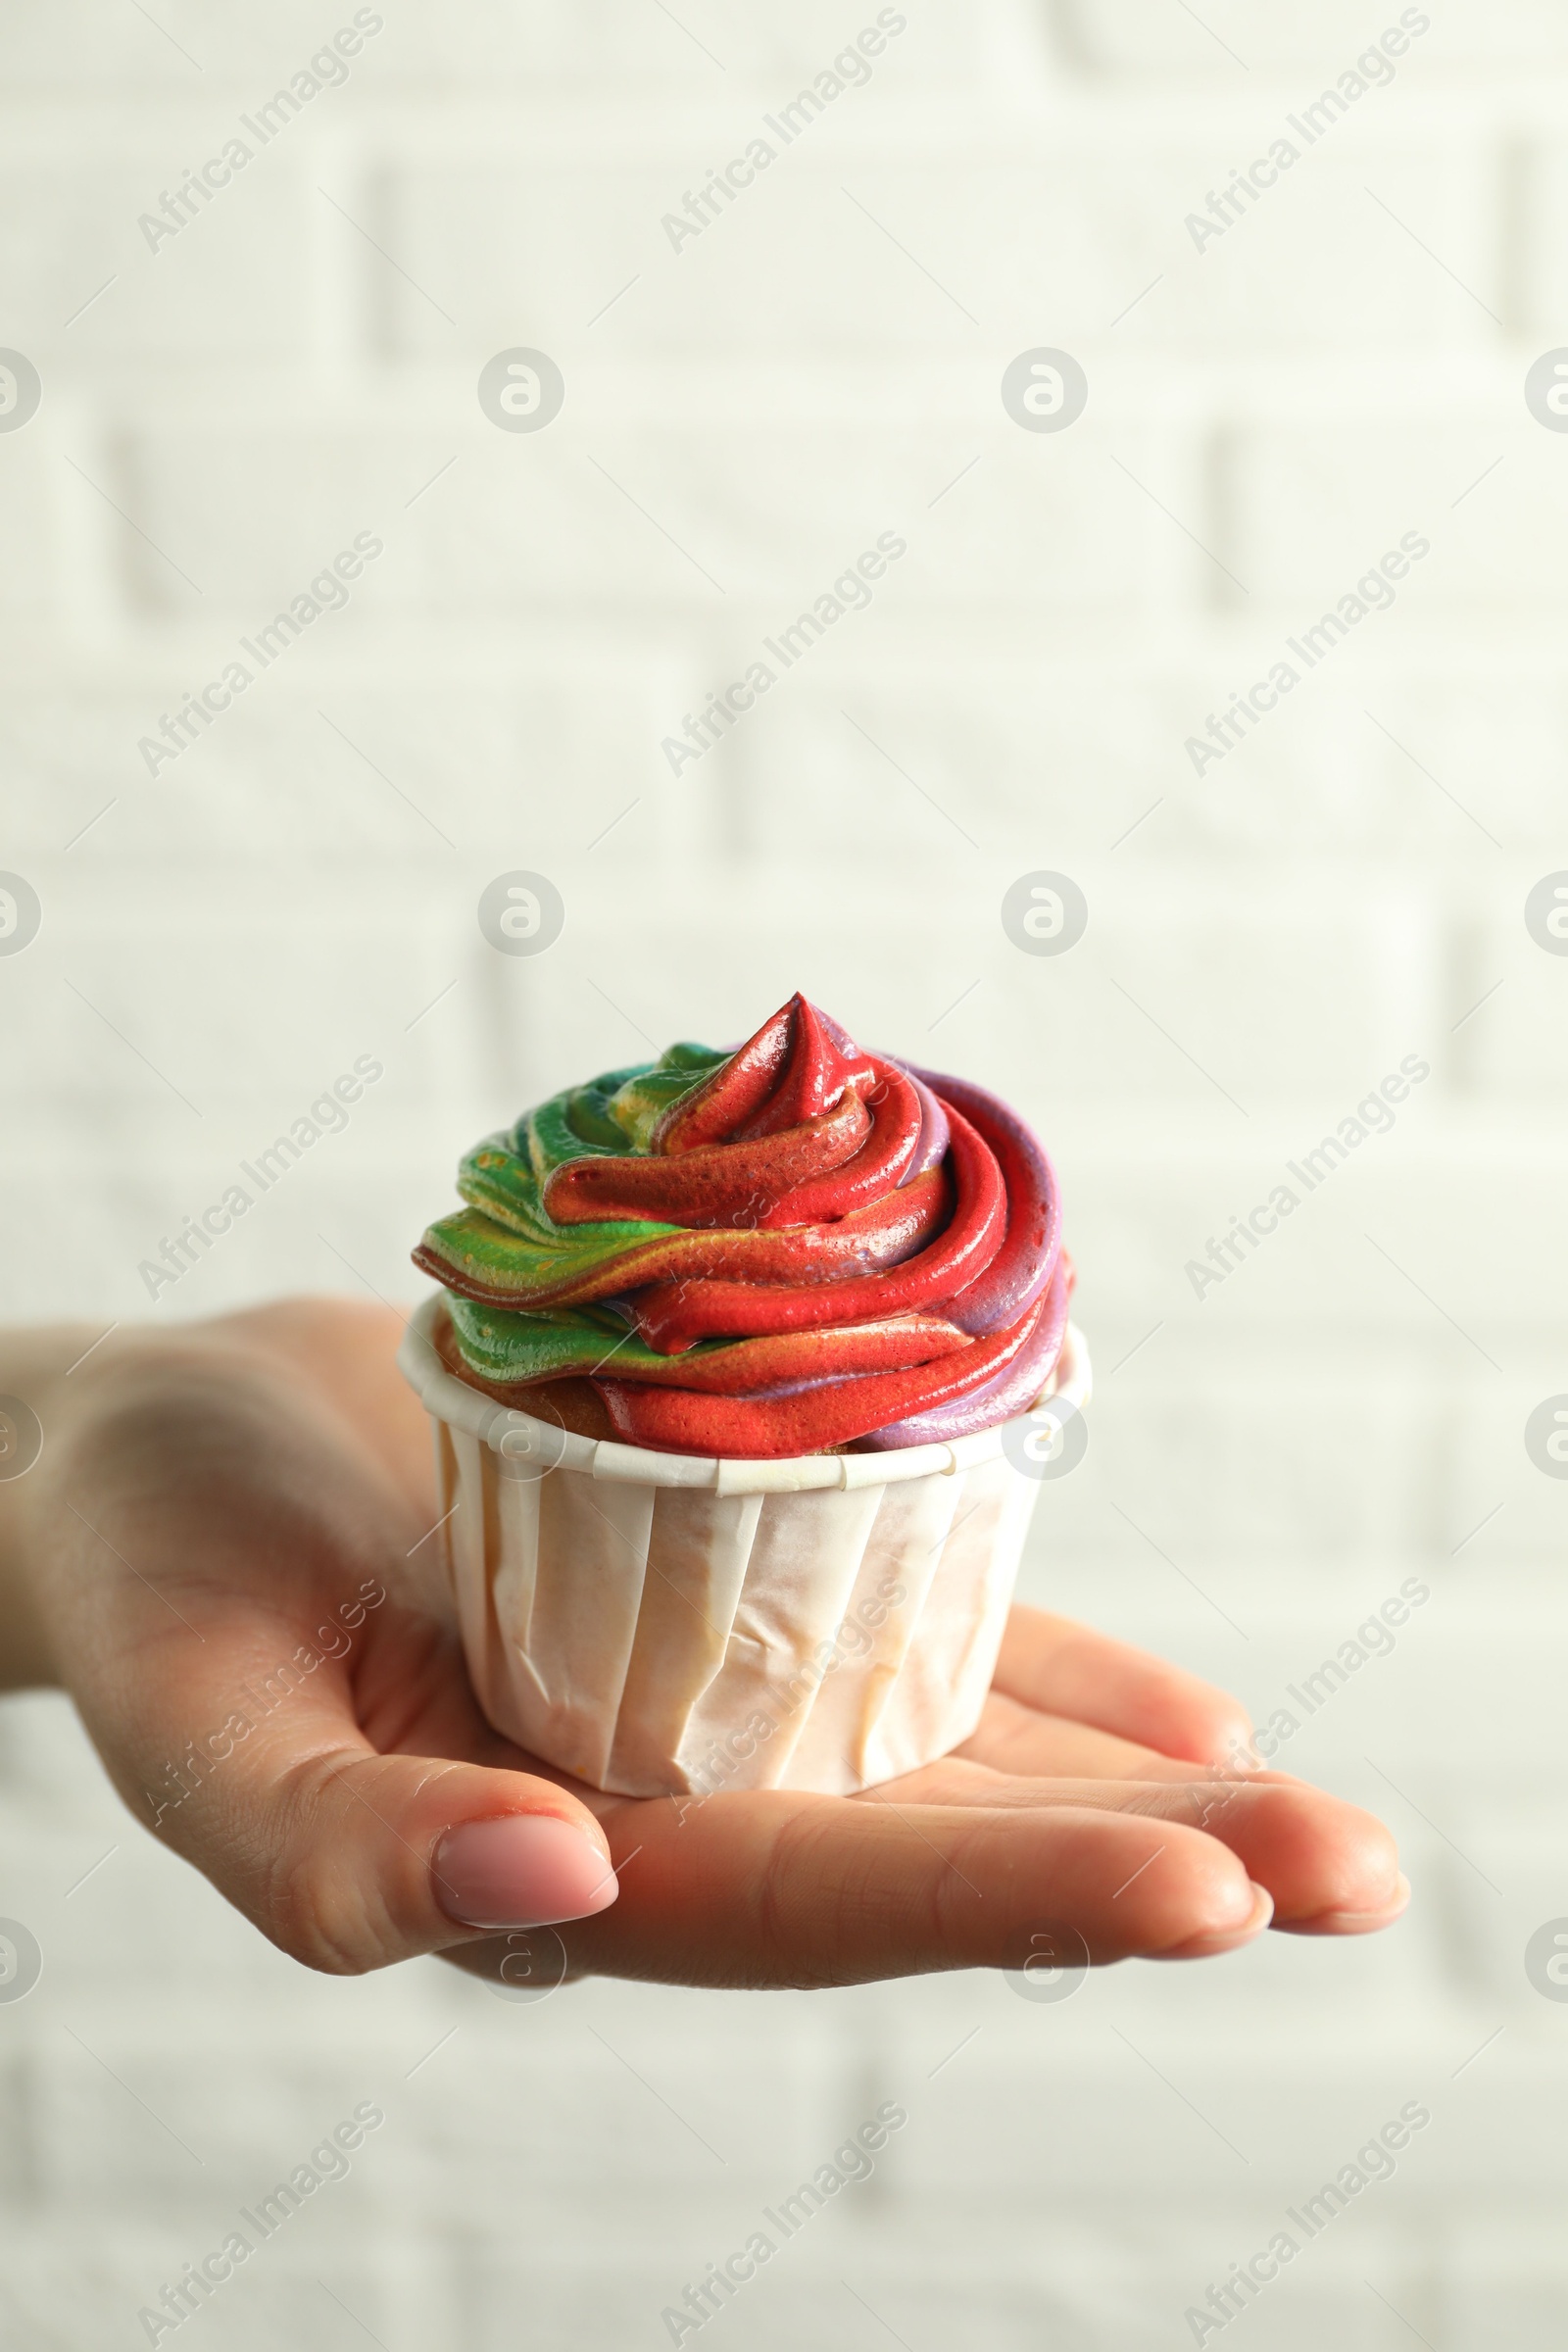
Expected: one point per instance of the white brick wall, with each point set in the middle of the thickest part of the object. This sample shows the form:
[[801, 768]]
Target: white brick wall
[[1339, 891]]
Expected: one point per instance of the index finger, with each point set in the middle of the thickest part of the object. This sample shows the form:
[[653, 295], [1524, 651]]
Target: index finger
[[1060, 1668]]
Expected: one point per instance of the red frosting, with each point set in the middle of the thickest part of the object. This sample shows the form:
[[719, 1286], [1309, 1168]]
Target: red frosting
[[801, 1136], [817, 1247]]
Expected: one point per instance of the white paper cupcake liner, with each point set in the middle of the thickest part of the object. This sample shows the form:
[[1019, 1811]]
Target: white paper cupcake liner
[[666, 1624]]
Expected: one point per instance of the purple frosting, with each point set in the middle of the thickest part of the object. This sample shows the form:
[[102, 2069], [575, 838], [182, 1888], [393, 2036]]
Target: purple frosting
[[935, 1133], [1029, 1253], [1012, 1389]]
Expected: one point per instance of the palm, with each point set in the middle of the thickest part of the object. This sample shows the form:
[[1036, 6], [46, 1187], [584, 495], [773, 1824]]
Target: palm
[[1092, 1766], [1101, 1798]]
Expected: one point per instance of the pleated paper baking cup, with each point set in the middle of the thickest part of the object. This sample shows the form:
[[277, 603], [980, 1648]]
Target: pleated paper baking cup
[[663, 1624]]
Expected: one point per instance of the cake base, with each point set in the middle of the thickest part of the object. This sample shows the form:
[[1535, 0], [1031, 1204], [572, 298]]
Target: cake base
[[673, 1625]]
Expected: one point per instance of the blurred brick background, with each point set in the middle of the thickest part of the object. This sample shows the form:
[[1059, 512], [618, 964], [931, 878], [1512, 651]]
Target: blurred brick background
[[1266, 417]]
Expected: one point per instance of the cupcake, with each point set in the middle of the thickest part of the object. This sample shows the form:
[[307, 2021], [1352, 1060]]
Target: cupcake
[[730, 1377]]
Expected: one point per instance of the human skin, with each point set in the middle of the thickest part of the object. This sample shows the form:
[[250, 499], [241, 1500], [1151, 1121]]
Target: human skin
[[212, 1495]]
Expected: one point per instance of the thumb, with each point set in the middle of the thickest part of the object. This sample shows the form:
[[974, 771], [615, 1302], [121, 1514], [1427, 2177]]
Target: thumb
[[350, 1860], [255, 1505], [371, 1859]]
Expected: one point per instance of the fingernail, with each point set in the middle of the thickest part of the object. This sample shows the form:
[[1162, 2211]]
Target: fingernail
[[1260, 1912], [1352, 1920], [1226, 1940], [521, 1870]]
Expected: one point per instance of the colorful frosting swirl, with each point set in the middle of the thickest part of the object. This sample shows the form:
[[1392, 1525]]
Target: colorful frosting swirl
[[791, 1248]]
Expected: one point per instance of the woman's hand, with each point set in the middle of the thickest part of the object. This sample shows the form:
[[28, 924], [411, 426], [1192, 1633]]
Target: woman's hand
[[228, 1555]]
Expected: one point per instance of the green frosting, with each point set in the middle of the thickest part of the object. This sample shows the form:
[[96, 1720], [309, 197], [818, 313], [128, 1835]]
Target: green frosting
[[505, 1176], [505, 1345], [506, 1240]]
